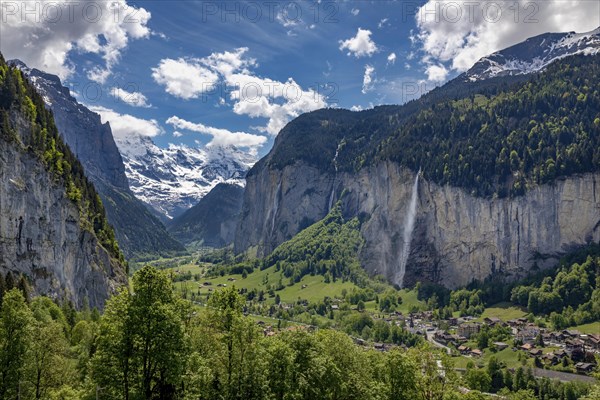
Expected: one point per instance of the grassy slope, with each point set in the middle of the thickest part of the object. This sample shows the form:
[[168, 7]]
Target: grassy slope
[[504, 311], [316, 288]]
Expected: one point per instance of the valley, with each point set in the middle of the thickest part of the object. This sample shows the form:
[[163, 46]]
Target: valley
[[441, 248]]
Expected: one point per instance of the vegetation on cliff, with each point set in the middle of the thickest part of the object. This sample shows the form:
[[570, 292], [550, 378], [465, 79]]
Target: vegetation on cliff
[[492, 138], [25, 120]]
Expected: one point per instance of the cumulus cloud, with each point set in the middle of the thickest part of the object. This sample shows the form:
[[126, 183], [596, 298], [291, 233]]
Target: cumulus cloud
[[134, 99], [177, 134], [43, 34], [368, 79], [125, 125], [436, 73], [459, 33], [220, 137], [360, 45], [186, 79], [391, 58], [252, 95]]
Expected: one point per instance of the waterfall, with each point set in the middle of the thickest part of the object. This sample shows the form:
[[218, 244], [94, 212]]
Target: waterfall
[[409, 225], [332, 195], [275, 207]]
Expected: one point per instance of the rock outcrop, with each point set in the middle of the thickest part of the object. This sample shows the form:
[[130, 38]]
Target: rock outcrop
[[211, 222], [43, 235], [138, 231], [457, 237]]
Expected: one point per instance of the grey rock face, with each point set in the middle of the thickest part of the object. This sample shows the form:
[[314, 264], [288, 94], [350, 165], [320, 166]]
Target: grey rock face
[[137, 230], [41, 236], [457, 237], [278, 204], [211, 222]]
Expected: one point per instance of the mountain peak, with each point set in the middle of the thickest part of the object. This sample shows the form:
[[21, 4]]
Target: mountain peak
[[175, 178], [534, 54]]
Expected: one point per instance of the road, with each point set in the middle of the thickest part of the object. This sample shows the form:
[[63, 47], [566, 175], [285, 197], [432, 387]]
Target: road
[[431, 340]]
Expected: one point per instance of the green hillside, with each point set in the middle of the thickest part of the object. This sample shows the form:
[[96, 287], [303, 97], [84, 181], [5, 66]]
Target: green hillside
[[494, 138]]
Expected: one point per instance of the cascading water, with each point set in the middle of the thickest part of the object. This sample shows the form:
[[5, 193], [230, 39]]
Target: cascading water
[[332, 195], [275, 207], [409, 226]]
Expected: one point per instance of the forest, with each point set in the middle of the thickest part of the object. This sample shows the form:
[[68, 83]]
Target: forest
[[493, 138], [151, 344]]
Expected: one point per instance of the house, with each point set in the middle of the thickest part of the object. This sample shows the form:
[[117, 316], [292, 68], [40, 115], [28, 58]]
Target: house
[[526, 347], [463, 349], [476, 353], [592, 341], [493, 321], [500, 345], [379, 346], [468, 329], [571, 333], [550, 358], [535, 352], [561, 353], [526, 333], [575, 349], [584, 368]]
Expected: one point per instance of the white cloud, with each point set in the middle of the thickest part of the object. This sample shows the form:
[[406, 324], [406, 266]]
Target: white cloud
[[250, 94], [391, 58], [220, 137], [177, 134], [368, 79], [125, 125], [135, 99], [43, 33], [383, 23], [436, 73], [356, 108], [186, 79], [461, 32], [355, 11], [360, 45]]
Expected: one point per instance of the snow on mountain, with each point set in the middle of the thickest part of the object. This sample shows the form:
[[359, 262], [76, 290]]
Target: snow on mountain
[[534, 54], [175, 178]]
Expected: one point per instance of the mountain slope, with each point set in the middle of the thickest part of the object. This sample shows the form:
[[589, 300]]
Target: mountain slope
[[53, 229], [93, 144], [212, 221], [174, 179], [504, 167], [534, 54]]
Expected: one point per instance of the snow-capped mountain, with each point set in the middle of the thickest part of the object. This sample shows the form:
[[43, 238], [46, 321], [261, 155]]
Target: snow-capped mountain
[[138, 231], [175, 178], [534, 54]]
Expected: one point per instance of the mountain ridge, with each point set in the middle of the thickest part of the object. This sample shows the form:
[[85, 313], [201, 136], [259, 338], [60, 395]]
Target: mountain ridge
[[138, 231]]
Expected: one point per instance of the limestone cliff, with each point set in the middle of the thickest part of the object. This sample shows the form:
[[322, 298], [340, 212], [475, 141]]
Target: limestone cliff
[[457, 237], [53, 229], [139, 232]]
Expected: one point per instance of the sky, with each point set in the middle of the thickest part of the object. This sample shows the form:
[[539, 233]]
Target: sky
[[206, 73]]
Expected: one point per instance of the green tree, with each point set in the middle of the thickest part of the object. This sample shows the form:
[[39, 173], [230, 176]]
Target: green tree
[[478, 379], [401, 374], [16, 321], [141, 347]]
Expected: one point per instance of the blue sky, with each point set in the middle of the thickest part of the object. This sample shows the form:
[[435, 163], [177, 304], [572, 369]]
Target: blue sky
[[169, 69]]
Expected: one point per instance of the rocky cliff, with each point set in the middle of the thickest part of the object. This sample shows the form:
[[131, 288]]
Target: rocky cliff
[[457, 237], [46, 232], [211, 222], [508, 182], [138, 231]]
